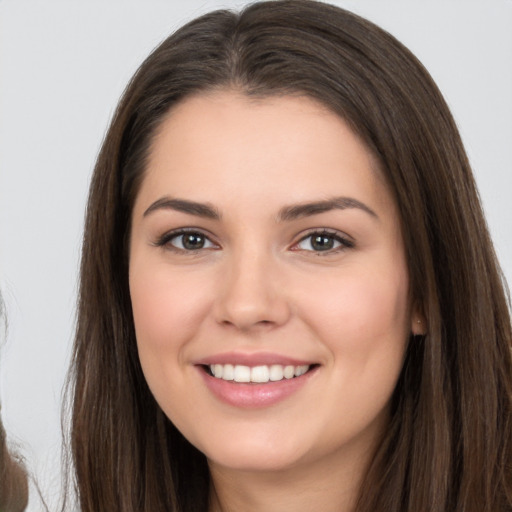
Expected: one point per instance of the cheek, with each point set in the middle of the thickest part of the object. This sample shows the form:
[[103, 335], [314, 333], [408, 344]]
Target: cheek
[[363, 323], [167, 311], [362, 311], [167, 308]]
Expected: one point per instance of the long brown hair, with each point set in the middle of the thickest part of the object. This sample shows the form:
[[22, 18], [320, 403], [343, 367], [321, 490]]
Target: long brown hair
[[448, 446], [13, 478]]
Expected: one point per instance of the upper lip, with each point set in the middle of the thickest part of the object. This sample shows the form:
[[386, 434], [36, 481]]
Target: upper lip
[[254, 359]]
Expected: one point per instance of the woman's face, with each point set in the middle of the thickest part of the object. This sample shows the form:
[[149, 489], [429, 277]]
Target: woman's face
[[266, 249]]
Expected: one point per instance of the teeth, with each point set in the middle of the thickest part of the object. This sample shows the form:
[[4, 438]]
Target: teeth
[[289, 372], [242, 374], [228, 372], [259, 374], [218, 371], [276, 372], [301, 370]]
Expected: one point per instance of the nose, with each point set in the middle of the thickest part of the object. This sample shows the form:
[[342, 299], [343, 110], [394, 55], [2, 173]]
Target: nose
[[251, 295]]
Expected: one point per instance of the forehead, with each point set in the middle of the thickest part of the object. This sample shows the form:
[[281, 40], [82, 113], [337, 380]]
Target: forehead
[[212, 117], [226, 141]]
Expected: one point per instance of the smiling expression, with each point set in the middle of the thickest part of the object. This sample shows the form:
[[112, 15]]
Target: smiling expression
[[268, 281]]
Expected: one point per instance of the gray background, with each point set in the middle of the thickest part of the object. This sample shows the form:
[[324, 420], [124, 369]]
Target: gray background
[[63, 66]]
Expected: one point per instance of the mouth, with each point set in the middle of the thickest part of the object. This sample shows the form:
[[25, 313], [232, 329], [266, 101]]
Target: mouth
[[257, 374], [255, 381]]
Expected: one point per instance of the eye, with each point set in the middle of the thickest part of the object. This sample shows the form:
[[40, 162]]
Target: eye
[[323, 241], [186, 240]]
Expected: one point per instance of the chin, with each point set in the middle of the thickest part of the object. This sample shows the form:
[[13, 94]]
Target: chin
[[253, 455], [261, 461]]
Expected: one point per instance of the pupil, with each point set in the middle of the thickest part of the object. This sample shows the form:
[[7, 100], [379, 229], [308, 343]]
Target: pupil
[[193, 241], [322, 243]]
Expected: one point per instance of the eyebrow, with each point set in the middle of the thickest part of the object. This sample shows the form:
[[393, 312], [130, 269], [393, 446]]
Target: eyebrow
[[293, 212], [183, 205], [288, 213]]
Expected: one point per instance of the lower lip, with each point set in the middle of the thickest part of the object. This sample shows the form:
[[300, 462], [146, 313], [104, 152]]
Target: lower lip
[[252, 395]]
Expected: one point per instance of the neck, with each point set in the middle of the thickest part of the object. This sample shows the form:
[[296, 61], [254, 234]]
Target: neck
[[329, 486]]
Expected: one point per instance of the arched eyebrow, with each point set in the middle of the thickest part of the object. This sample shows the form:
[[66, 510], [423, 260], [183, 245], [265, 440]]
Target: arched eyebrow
[[293, 212], [185, 206], [286, 214]]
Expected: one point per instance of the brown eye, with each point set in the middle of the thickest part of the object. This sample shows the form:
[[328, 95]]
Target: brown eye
[[186, 241], [323, 242], [192, 241]]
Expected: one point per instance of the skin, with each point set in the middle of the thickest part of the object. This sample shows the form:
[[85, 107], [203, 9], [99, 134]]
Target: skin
[[258, 285]]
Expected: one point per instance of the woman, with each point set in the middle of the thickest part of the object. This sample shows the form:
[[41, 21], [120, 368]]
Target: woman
[[289, 298], [13, 480]]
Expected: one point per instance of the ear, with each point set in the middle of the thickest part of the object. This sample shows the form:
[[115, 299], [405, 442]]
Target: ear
[[418, 322]]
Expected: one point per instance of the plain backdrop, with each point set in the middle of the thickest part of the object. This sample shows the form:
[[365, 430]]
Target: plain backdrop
[[63, 66]]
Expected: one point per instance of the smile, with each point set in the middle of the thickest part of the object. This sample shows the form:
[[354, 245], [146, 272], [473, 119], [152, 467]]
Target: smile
[[262, 385], [256, 374]]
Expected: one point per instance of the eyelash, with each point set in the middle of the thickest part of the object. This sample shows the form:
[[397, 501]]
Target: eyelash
[[344, 242], [165, 240]]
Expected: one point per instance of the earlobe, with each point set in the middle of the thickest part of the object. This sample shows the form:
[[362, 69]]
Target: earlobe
[[419, 325]]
